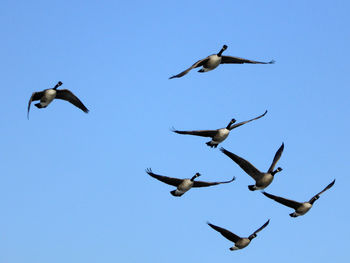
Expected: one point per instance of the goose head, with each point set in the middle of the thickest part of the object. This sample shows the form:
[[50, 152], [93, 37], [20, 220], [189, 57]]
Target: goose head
[[277, 170], [57, 85], [224, 47], [230, 123], [195, 176]]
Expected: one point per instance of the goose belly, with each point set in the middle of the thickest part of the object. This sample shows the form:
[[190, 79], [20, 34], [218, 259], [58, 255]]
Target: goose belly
[[243, 242], [264, 181], [221, 135], [48, 97], [304, 208], [185, 185], [213, 62]]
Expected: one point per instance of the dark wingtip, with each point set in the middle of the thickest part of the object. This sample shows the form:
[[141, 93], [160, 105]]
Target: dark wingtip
[[222, 149], [149, 170], [264, 113], [172, 77], [272, 62], [173, 129]]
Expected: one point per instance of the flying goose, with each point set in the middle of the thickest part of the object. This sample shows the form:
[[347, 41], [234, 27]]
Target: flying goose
[[212, 61], [300, 208], [183, 185], [262, 180], [48, 95], [218, 135], [240, 242]]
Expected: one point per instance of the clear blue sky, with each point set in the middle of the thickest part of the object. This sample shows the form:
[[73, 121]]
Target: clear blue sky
[[73, 186]]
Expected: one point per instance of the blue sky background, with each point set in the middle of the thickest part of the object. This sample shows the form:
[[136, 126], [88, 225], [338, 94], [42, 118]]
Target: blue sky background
[[73, 186]]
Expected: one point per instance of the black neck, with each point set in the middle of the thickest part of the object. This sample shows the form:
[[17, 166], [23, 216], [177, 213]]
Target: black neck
[[220, 53], [194, 177]]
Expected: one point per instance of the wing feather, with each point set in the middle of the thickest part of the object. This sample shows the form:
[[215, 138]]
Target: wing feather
[[67, 95], [229, 235], [195, 65], [244, 164], [283, 201], [165, 179], [202, 133], [276, 158], [205, 184], [262, 227], [244, 122], [324, 190], [238, 60], [35, 96]]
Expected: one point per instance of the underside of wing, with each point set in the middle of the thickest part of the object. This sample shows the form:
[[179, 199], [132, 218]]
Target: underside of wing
[[205, 184], [67, 95], [283, 201], [238, 60], [199, 63], [276, 158], [324, 190], [244, 122], [262, 227], [244, 164], [229, 235], [165, 179], [203, 133], [35, 96]]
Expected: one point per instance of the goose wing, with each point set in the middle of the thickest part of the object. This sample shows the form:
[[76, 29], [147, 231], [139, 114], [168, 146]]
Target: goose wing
[[203, 133], [276, 158], [229, 235], [35, 96], [67, 95], [283, 201], [261, 228], [324, 190], [205, 184], [244, 164], [244, 122], [165, 179], [238, 60], [199, 63]]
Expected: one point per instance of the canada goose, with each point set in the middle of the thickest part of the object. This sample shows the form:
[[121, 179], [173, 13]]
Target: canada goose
[[48, 95], [262, 180], [300, 208], [218, 135], [240, 242], [212, 61], [183, 185]]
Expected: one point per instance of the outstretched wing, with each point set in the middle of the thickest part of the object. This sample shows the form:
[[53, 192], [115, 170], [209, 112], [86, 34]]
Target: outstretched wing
[[165, 179], [229, 235], [67, 95], [244, 122], [262, 227], [276, 158], [238, 60], [199, 63], [324, 190], [203, 133], [283, 201], [35, 96], [205, 184], [244, 164]]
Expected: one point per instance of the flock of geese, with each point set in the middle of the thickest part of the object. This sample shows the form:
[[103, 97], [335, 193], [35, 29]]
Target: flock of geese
[[262, 179]]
